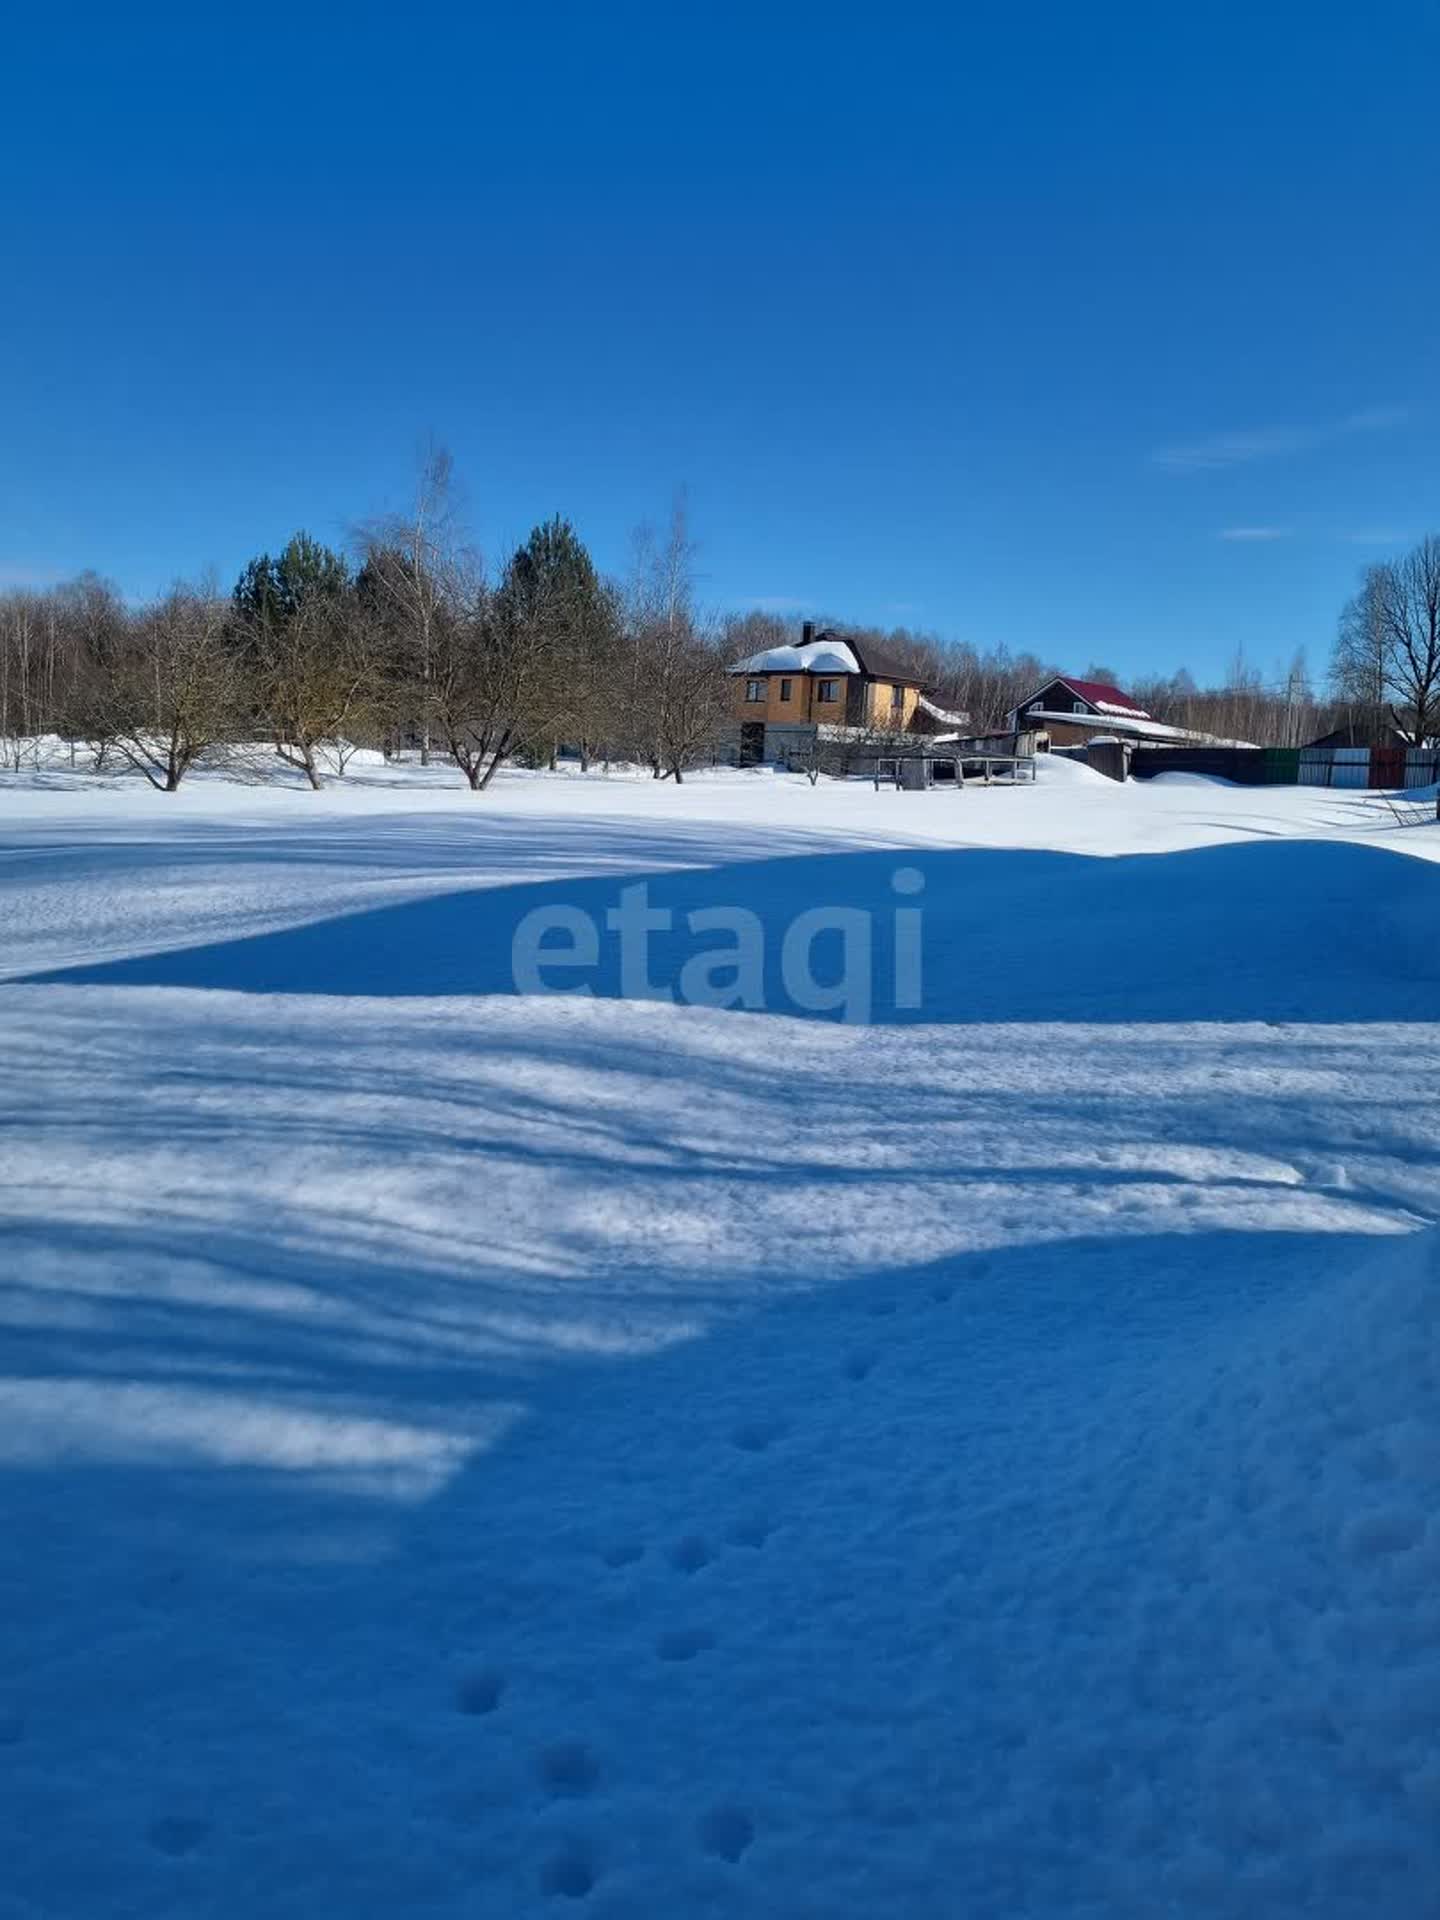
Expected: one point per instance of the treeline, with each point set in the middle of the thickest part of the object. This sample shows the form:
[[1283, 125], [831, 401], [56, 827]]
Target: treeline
[[1384, 672], [986, 685], [989, 684], [1387, 652], [410, 646], [1286, 712]]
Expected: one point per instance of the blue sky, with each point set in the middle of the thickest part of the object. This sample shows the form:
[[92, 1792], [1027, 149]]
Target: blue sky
[[1105, 331]]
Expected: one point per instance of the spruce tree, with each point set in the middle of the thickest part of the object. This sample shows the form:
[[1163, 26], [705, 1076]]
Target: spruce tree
[[551, 591]]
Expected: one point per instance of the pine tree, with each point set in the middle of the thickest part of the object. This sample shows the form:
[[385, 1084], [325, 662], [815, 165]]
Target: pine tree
[[307, 657], [271, 591], [551, 591]]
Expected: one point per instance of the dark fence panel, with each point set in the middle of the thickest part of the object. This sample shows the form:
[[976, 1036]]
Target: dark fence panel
[[1375, 767], [1282, 766], [1245, 765]]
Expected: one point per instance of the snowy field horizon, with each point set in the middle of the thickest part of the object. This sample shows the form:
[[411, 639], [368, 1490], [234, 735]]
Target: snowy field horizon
[[963, 1447]]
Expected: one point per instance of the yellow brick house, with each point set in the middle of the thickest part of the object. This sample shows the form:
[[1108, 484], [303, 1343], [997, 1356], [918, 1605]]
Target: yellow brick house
[[832, 681]]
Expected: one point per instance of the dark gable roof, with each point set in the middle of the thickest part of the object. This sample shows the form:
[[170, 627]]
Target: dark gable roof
[[1101, 694], [877, 661], [1096, 693], [1365, 729]]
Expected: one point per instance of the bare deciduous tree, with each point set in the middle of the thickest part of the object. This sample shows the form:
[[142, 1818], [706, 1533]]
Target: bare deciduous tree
[[677, 695], [173, 692], [488, 674], [312, 677], [96, 624], [413, 572], [1407, 607], [1387, 651], [18, 689], [1357, 666], [35, 670]]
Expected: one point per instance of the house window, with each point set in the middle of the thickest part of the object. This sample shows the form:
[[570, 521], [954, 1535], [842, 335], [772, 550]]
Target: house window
[[785, 686], [827, 691], [1077, 706], [897, 699], [754, 689]]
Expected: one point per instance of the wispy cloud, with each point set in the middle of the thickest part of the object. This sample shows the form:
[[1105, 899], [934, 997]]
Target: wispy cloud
[[1255, 533], [1233, 449], [1217, 451], [1373, 419], [1375, 536], [775, 603], [24, 576]]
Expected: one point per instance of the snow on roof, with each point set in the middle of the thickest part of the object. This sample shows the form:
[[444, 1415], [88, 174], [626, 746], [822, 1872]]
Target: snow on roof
[[773, 660], [1142, 728], [941, 713], [1095, 693], [1104, 697], [1139, 727], [1108, 706], [820, 656]]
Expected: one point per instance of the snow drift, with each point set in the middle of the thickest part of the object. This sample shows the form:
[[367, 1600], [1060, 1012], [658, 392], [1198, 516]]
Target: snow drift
[[497, 1456]]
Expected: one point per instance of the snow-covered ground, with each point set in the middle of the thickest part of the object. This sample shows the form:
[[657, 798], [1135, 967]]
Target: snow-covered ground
[[476, 1454]]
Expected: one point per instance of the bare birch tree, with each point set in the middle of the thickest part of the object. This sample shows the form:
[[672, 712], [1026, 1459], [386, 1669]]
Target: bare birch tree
[[678, 691], [414, 563], [20, 622], [1357, 666]]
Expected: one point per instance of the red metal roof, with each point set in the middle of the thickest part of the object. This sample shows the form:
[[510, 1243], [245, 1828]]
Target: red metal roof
[[1101, 695]]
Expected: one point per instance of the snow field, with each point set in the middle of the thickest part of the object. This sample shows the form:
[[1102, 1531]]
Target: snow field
[[476, 1455]]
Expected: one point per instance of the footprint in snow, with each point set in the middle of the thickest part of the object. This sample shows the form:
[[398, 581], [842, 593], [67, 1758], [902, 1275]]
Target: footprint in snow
[[176, 1835], [567, 1874], [752, 1531], [725, 1832], [690, 1554], [568, 1770], [683, 1643], [479, 1692]]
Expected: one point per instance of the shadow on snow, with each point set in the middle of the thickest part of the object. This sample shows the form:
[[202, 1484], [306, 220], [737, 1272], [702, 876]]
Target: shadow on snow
[[1295, 930]]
